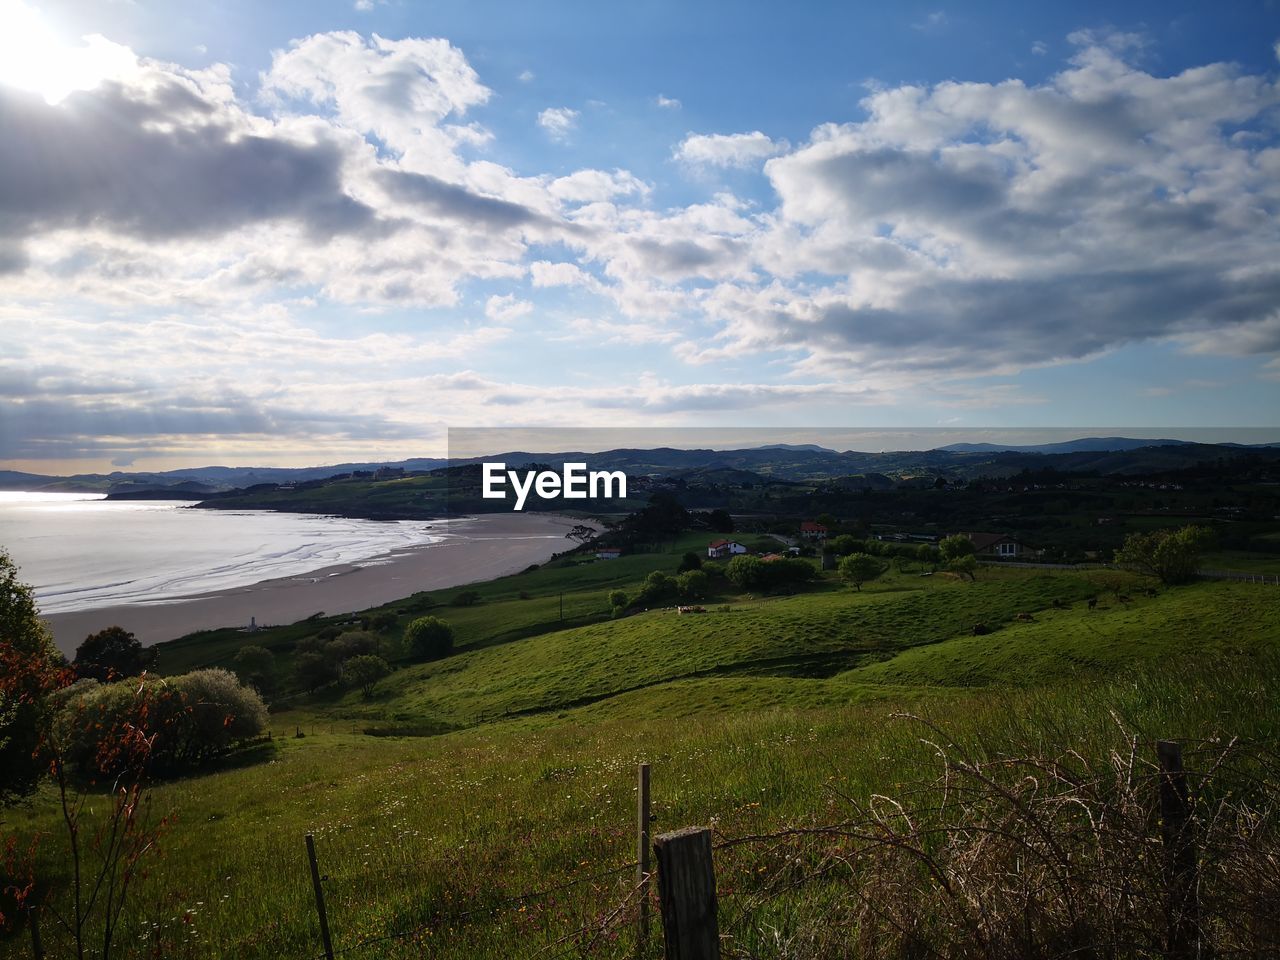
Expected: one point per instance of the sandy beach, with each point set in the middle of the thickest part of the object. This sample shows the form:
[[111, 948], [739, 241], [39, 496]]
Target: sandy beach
[[471, 550]]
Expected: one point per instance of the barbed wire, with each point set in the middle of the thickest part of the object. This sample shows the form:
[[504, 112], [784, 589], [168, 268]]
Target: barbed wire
[[489, 909]]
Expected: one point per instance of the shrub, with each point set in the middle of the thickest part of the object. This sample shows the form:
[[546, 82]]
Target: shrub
[[193, 718], [693, 584], [429, 638], [467, 598], [752, 573], [222, 709], [657, 587], [618, 611], [618, 598]]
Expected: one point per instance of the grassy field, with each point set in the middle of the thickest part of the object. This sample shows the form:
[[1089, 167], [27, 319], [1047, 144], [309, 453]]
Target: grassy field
[[770, 712]]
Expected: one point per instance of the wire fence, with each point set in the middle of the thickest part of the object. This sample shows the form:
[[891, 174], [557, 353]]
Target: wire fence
[[1127, 855]]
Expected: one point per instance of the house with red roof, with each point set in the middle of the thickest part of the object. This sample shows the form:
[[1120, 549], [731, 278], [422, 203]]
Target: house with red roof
[[724, 548], [812, 530]]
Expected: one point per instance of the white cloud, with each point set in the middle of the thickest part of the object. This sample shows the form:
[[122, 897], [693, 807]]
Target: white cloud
[[935, 20], [1039, 48], [728, 150], [526, 76], [559, 122], [505, 309], [959, 229], [668, 103]]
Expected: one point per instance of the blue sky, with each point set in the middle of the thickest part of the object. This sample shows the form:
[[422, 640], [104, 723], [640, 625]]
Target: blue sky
[[304, 232]]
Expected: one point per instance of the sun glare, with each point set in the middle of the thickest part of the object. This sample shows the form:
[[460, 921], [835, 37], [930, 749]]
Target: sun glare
[[33, 57]]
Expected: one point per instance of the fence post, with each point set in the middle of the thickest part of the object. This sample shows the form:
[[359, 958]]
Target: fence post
[[319, 891], [1177, 831], [687, 893], [642, 857], [37, 948]]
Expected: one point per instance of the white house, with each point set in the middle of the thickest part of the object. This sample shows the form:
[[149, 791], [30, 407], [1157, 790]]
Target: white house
[[724, 548], [608, 553]]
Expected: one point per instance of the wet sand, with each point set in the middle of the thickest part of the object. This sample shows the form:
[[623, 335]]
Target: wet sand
[[472, 550]]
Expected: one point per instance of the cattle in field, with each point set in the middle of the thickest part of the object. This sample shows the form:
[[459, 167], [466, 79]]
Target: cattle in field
[[1059, 605], [1025, 618], [981, 629], [1123, 598], [1093, 603], [691, 609]]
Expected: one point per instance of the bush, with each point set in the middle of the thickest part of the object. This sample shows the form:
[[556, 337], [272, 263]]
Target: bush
[[618, 598], [192, 719], [752, 573], [657, 587], [618, 612], [693, 584], [467, 598], [429, 638]]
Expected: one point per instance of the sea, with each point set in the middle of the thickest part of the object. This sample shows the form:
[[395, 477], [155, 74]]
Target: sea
[[81, 551]]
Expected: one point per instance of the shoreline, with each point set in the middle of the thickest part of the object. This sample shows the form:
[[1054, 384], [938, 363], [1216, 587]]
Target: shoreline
[[478, 548]]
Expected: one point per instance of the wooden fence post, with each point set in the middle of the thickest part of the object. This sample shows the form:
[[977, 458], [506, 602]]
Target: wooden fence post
[[642, 857], [37, 948], [687, 893], [319, 891], [1177, 831]]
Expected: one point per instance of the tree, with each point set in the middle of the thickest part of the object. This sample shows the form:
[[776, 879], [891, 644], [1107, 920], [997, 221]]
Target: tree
[[313, 670], [721, 521], [111, 654], [256, 666], [956, 546], [30, 669], [365, 671], [746, 572], [1171, 555], [858, 568], [690, 561], [926, 553], [429, 638], [845, 544], [618, 598], [966, 565], [467, 598]]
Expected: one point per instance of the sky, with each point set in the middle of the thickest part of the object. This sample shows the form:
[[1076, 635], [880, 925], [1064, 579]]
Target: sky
[[311, 232]]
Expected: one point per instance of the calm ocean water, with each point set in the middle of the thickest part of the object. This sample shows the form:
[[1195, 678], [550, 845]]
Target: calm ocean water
[[81, 551]]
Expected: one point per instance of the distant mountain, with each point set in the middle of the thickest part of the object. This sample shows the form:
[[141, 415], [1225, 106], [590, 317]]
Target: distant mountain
[[809, 447], [1083, 445]]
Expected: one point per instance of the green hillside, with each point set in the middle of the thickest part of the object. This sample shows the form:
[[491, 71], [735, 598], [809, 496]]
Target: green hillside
[[508, 768]]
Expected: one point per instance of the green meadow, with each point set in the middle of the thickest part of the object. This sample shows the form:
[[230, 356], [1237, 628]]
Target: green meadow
[[483, 805]]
